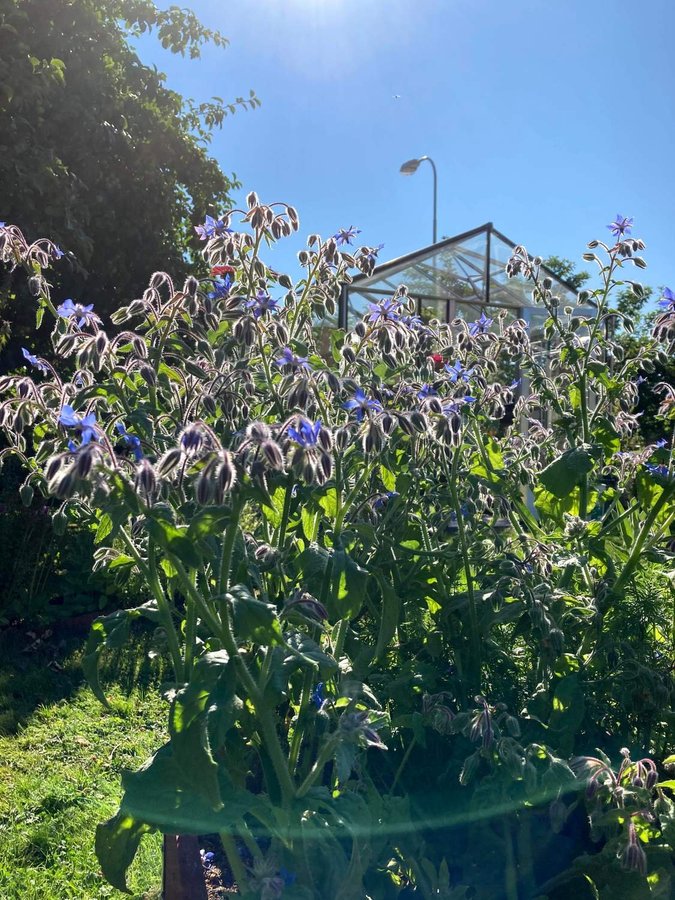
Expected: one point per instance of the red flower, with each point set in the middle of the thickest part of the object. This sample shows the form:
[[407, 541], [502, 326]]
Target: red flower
[[223, 270], [437, 360]]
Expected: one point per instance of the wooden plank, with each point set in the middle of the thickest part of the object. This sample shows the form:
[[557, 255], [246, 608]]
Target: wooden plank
[[183, 877]]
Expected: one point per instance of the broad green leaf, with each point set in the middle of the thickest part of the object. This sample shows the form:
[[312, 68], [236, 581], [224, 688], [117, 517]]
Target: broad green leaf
[[310, 523], [348, 587], [564, 474], [568, 705], [188, 727], [389, 616], [116, 844], [111, 632], [157, 797], [388, 479], [174, 540], [328, 503], [254, 620]]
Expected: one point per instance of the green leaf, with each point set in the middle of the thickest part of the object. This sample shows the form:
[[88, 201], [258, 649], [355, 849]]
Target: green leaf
[[667, 784], [157, 797], [310, 523], [254, 620], [345, 757], [311, 566], [388, 479], [188, 727], [116, 844], [389, 616], [174, 540], [349, 587], [564, 474], [111, 632], [207, 522], [568, 705], [328, 503]]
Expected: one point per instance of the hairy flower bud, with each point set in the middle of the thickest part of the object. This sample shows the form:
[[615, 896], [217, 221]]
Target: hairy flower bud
[[192, 439], [373, 439], [145, 479], [273, 455], [84, 459], [342, 436], [325, 439], [149, 375], [168, 462]]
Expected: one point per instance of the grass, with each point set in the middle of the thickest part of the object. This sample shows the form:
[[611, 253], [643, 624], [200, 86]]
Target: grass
[[61, 756]]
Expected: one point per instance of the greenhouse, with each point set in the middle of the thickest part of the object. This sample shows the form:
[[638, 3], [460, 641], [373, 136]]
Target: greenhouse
[[460, 276]]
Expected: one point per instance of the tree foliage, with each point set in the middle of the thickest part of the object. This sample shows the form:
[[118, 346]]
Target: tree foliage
[[96, 150]]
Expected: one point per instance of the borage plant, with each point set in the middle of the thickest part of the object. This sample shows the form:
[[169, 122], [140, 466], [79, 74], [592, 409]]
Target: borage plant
[[392, 617]]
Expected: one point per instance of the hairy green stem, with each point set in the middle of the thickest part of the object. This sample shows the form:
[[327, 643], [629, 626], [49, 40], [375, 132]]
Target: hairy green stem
[[634, 557]]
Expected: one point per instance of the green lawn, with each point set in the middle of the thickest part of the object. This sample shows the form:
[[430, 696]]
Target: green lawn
[[61, 755]]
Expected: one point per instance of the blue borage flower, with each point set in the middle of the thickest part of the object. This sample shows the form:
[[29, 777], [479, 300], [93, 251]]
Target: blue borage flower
[[286, 876], [388, 310], [85, 425], [288, 358], [621, 226], [317, 697], [345, 235], [306, 434], [57, 252], [212, 228], [262, 303], [208, 857], [660, 444], [427, 390], [131, 440], [371, 253], [362, 404], [383, 500], [450, 409], [481, 325], [657, 469], [667, 300], [457, 372], [34, 361], [84, 314], [221, 289], [413, 321]]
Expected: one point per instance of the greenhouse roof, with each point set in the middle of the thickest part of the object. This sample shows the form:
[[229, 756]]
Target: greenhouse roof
[[456, 277]]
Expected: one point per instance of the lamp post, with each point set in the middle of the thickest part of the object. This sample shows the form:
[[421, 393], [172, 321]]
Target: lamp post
[[410, 167]]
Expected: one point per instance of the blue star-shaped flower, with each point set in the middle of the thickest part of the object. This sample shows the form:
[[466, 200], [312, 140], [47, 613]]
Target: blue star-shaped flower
[[34, 361], [84, 314], [427, 390], [457, 372], [362, 404], [481, 325], [385, 310], [621, 226], [212, 228], [306, 434], [288, 358], [262, 303], [345, 235], [317, 696], [667, 300], [220, 288], [131, 440], [85, 425]]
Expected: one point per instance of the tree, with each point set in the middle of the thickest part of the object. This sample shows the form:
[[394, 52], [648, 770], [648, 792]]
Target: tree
[[96, 152], [565, 270]]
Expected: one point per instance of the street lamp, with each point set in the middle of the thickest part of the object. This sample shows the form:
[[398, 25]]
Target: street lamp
[[410, 167]]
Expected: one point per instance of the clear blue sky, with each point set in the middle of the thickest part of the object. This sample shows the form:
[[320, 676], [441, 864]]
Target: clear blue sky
[[547, 118]]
